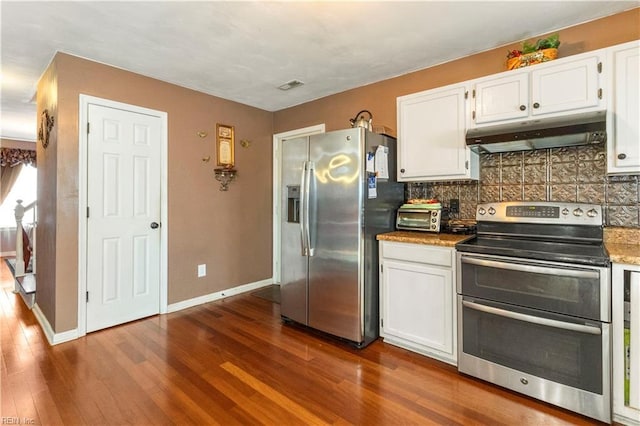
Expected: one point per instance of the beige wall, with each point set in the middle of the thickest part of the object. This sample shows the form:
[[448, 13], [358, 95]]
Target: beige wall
[[228, 231], [46, 231], [380, 98]]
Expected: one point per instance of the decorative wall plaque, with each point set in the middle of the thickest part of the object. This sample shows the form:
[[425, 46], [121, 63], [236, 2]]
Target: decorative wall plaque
[[46, 124]]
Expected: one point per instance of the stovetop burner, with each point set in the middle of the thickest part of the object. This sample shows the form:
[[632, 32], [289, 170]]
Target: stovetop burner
[[584, 254]]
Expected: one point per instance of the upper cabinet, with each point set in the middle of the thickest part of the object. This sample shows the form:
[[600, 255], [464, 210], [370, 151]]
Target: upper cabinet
[[432, 124], [431, 136], [623, 112], [567, 86], [501, 98]]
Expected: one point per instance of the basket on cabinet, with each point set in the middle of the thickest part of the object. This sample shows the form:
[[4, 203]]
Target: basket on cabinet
[[526, 59]]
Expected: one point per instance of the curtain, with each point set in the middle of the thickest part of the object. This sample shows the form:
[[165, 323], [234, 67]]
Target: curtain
[[11, 162], [8, 176]]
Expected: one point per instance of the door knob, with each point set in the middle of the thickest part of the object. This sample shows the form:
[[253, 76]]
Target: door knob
[[522, 107], [536, 105], [154, 225], [622, 156]]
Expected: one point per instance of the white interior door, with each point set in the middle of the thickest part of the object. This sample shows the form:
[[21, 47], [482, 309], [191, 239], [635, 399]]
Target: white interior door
[[123, 200]]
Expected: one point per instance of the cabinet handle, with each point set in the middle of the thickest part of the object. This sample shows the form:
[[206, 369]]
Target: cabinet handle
[[622, 156], [580, 328], [401, 170], [522, 107], [536, 105]]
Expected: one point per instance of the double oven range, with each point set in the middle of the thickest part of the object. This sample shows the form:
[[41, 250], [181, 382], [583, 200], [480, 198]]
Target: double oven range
[[534, 303]]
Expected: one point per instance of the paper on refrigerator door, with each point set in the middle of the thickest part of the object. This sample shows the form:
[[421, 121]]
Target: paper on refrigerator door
[[371, 168], [372, 184], [382, 162]]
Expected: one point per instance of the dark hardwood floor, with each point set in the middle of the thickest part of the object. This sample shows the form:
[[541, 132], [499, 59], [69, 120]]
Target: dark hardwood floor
[[234, 362]]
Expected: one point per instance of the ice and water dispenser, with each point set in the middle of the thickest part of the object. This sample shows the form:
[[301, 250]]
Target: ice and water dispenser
[[293, 203]]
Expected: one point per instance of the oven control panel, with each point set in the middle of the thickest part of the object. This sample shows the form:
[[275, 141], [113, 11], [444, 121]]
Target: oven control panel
[[541, 212]]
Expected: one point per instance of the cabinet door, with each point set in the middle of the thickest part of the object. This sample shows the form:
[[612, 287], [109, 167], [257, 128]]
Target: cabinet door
[[431, 135], [417, 305], [623, 121], [565, 87], [502, 98], [626, 342]]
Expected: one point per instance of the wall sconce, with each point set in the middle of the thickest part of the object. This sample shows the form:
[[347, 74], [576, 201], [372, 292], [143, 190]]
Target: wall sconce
[[225, 175]]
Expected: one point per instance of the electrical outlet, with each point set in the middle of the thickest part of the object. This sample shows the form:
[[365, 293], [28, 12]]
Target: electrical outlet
[[454, 205], [202, 270]]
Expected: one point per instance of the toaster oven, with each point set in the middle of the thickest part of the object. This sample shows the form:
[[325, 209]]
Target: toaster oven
[[419, 219]]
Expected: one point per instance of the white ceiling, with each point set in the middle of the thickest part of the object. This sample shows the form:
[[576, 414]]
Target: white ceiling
[[244, 50]]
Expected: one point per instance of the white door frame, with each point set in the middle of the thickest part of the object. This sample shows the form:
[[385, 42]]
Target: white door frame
[[277, 159], [85, 100]]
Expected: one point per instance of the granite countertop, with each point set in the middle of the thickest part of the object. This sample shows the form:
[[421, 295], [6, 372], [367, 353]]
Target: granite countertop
[[623, 245], [429, 238]]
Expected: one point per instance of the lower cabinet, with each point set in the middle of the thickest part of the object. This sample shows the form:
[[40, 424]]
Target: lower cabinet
[[626, 343], [417, 299]]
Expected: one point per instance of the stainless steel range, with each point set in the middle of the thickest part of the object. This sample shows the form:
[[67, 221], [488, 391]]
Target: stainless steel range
[[534, 303]]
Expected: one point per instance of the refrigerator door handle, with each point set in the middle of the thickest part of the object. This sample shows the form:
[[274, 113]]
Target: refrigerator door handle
[[301, 206], [310, 213]]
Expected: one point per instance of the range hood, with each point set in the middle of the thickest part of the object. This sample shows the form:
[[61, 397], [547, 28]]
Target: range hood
[[539, 134]]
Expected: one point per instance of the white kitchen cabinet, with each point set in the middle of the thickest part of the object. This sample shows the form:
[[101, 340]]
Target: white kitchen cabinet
[[417, 303], [553, 89], [431, 136], [623, 113], [626, 349], [502, 97]]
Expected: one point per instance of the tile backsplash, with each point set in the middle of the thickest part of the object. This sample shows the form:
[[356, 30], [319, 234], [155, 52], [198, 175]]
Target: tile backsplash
[[570, 174]]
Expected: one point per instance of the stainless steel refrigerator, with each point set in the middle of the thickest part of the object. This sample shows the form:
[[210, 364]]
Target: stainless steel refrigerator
[[332, 211]]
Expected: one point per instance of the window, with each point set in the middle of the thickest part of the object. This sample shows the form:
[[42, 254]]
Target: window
[[25, 189]]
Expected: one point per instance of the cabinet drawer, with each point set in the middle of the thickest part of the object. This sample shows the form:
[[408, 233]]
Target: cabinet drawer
[[418, 253]]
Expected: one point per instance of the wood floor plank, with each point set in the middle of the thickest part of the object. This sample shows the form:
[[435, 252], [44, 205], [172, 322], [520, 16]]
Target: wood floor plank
[[268, 392], [233, 362]]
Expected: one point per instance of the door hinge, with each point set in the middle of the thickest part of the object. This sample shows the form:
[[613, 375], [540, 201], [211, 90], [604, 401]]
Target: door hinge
[[87, 212], [599, 67], [466, 165], [88, 127], [599, 93], [382, 322], [474, 93], [87, 297], [466, 94], [473, 115], [381, 268]]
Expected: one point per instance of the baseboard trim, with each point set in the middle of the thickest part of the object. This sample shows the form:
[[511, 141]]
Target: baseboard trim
[[52, 337], [178, 306]]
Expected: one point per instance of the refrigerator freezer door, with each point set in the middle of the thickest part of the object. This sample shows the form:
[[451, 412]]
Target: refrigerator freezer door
[[293, 264], [336, 203]]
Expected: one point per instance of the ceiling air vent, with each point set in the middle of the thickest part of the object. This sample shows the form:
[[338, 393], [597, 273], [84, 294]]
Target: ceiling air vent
[[290, 85]]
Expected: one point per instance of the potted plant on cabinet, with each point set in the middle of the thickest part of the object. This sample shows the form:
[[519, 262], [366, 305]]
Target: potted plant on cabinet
[[545, 49]]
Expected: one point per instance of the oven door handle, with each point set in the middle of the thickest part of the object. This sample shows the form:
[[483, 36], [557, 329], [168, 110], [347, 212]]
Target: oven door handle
[[533, 319], [575, 273]]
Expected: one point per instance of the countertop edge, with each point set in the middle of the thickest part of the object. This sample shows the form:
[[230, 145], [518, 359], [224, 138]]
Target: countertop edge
[[425, 238], [623, 253]]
